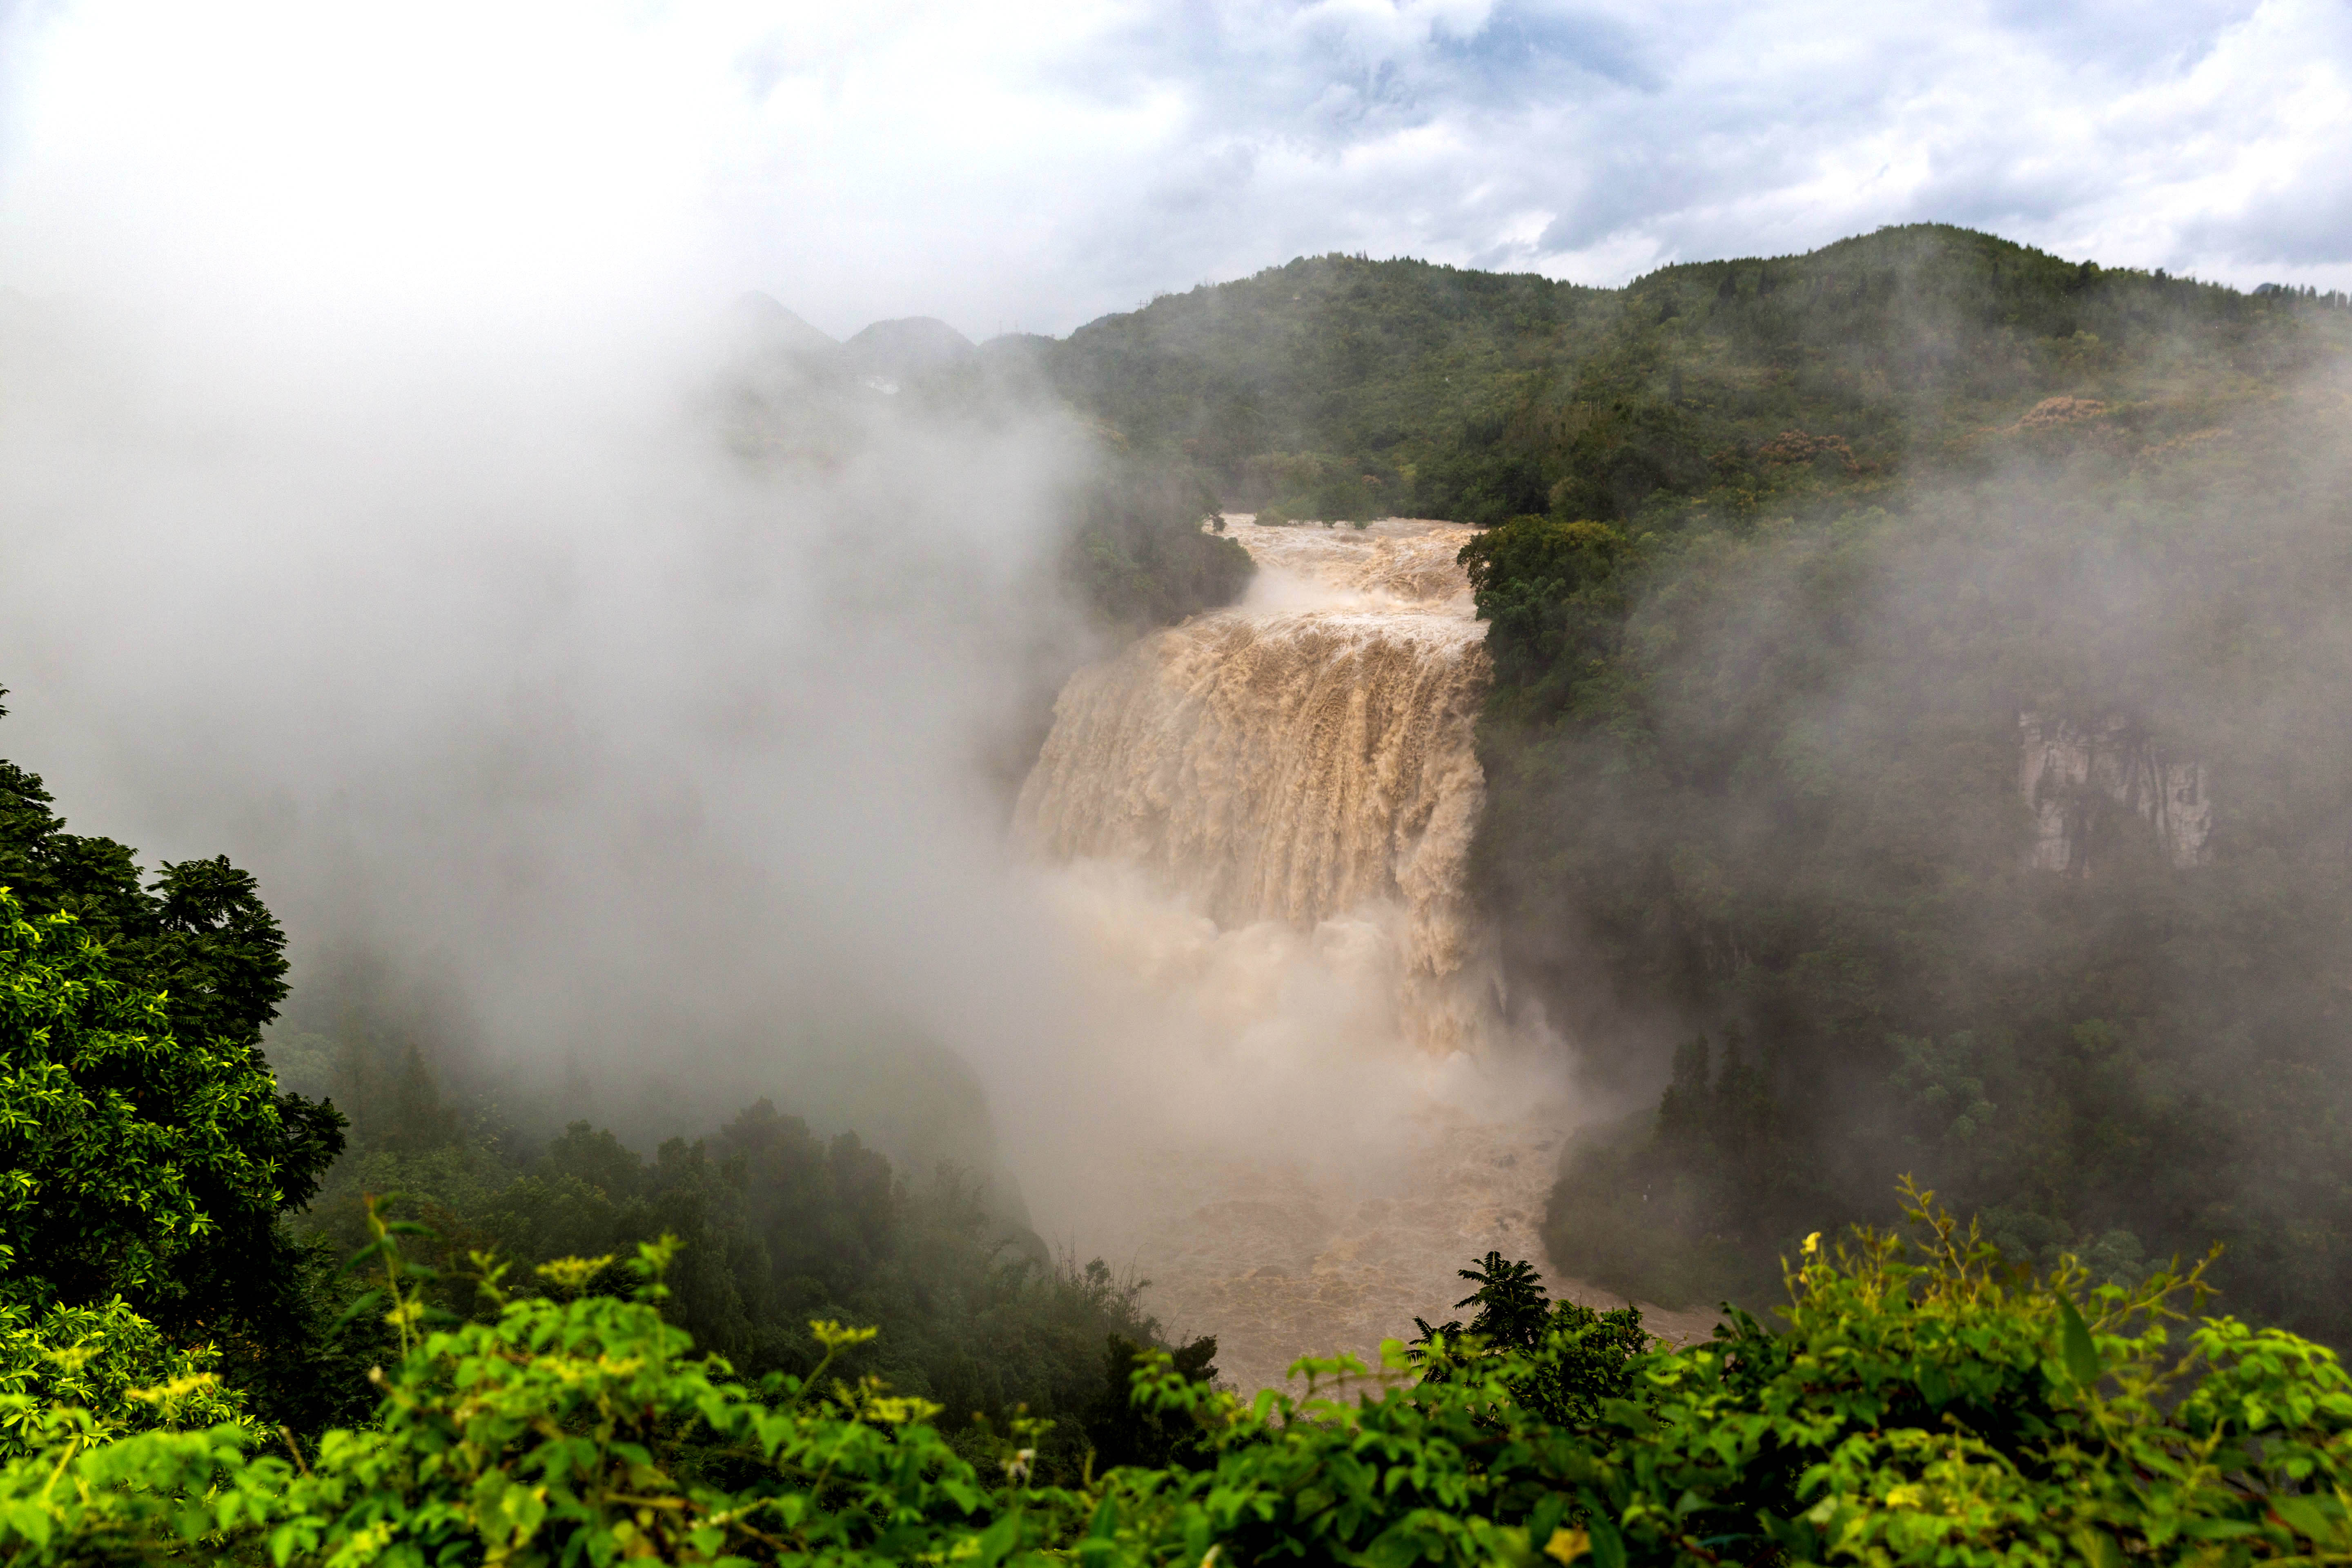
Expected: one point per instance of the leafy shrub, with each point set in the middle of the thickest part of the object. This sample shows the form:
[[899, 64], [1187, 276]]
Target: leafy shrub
[[124, 1147], [1927, 1403], [1581, 1359], [110, 1364]]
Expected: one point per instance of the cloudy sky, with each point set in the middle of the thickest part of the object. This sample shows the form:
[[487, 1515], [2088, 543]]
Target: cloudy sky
[[1035, 165]]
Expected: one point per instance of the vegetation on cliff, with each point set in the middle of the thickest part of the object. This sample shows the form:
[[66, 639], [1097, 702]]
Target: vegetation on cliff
[[1953, 794], [1338, 386]]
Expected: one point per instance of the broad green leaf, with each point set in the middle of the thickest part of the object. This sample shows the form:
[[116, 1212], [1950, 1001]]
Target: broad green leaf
[[2082, 1354]]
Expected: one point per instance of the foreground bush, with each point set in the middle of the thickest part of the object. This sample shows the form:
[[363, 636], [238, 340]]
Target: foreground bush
[[1924, 1403]]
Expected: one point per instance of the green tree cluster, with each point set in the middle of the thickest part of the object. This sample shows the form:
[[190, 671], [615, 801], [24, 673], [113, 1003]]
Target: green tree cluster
[[778, 1226], [151, 1159], [1146, 546], [1577, 1359]]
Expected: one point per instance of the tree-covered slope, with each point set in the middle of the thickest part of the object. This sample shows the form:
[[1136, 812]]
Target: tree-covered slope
[[1398, 386], [1994, 830], [1331, 379]]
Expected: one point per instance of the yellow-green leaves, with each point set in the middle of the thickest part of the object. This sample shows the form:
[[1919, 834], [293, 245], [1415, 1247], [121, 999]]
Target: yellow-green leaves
[[835, 1338], [570, 1276], [125, 1148]]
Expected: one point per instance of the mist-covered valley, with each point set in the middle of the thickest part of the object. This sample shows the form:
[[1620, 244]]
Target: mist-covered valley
[[1020, 892], [1881, 706]]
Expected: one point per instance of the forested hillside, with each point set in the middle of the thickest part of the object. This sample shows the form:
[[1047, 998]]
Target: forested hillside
[[1341, 386], [1917, 723], [1336, 386]]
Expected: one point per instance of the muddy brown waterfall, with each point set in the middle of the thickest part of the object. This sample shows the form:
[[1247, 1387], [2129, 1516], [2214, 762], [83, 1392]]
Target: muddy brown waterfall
[[1262, 816], [1304, 757]]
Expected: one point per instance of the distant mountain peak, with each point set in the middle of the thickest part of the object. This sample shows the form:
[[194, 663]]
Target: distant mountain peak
[[896, 350], [774, 327]]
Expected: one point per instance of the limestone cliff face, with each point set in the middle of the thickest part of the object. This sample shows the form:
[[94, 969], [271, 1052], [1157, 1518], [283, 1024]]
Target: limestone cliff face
[[2087, 780]]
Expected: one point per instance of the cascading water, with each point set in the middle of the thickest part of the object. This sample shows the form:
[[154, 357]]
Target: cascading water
[[1260, 820], [1305, 756]]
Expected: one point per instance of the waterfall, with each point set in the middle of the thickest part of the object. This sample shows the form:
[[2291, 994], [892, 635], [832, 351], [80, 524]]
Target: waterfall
[[1303, 757], [1259, 822]]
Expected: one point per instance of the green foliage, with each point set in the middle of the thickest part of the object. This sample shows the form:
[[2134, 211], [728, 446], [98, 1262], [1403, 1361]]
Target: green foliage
[[1580, 1359], [1545, 586], [1764, 777], [1927, 1403], [127, 1153], [1124, 1430], [1140, 554], [151, 1155], [1320, 385], [108, 1363], [580, 1429], [779, 1226], [199, 934], [142, 1168], [1287, 486], [126, 1148]]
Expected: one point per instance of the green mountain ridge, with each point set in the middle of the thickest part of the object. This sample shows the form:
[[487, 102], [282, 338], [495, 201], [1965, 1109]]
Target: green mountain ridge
[[1340, 385]]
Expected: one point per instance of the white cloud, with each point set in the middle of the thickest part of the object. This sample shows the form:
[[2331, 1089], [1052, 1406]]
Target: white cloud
[[1041, 165]]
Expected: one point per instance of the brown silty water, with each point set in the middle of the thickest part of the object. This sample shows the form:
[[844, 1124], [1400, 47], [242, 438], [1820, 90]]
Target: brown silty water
[[1265, 812], [1301, 756]]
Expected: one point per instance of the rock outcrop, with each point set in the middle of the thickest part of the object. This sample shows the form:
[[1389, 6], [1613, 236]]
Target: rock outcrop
[[2088, 780]]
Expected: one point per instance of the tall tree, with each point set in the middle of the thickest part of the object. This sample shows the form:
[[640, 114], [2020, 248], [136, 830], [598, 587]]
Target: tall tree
[[130, 1052]]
